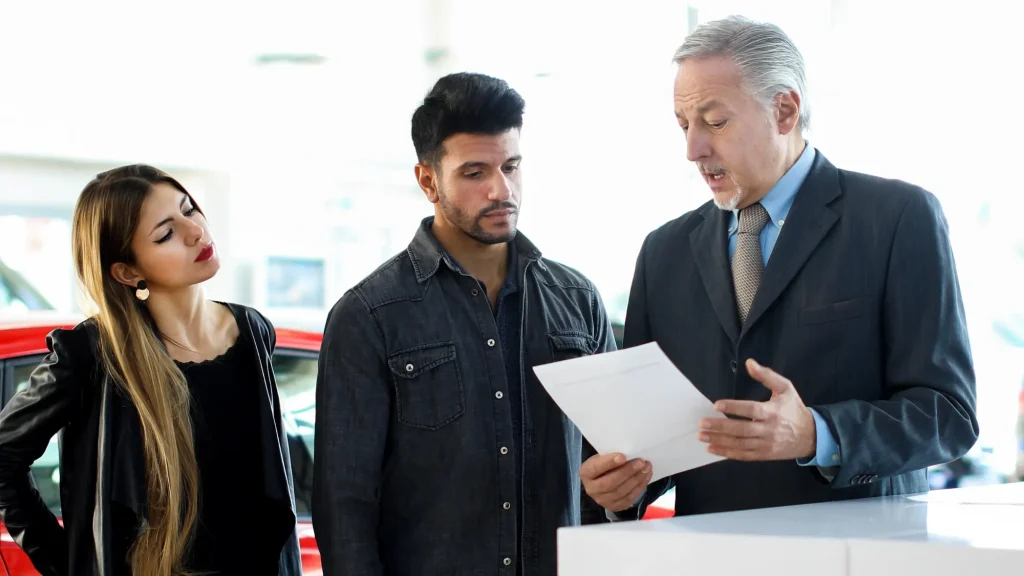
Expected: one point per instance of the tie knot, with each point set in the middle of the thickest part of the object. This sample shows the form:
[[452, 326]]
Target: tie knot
[[753, 218]]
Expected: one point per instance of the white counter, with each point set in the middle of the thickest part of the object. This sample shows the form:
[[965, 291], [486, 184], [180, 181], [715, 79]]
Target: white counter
[[965, 532]]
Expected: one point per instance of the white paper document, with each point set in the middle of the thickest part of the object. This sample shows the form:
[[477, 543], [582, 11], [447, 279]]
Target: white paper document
[[636, 402]]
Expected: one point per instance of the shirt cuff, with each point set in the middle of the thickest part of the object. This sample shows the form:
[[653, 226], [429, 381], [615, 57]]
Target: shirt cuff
[[827, 451]]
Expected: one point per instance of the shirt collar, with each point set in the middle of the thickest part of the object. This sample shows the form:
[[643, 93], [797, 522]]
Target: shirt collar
[[779, 199], [426, 253]]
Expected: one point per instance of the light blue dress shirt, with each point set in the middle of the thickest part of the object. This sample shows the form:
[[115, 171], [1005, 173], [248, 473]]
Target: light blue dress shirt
[[777, 202]]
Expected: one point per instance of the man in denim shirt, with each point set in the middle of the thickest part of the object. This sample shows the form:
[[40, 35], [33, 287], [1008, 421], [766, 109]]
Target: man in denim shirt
[[438, 452]]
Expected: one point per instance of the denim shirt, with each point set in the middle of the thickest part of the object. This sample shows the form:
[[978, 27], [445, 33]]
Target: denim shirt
[[507, 314], [415, 469]]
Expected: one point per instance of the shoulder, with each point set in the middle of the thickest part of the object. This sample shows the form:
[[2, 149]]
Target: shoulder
[[887, 195], [82, 341], [675, 233], [392, 281], [557, 275], [260, 325], [74, 350]]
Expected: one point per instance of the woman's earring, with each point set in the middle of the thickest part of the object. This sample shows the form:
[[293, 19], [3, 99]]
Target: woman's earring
[[141, 291]]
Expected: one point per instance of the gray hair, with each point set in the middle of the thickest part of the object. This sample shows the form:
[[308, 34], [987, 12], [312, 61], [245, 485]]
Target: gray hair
[[768, 60]]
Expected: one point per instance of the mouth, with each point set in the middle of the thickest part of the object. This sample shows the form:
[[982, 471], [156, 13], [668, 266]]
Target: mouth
[[714, 179], [503, 213], [206, 253]]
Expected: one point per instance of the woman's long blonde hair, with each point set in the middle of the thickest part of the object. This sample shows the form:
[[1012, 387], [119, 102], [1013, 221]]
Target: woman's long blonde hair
[[105, 220]]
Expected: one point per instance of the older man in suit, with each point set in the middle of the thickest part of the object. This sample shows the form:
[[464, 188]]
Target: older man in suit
[[818, 308]]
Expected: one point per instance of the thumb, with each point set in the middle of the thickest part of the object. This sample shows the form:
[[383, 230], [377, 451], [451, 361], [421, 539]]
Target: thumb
[[768, 377], [599, 464]]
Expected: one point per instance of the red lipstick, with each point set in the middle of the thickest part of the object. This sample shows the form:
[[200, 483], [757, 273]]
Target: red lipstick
[[206, 253]]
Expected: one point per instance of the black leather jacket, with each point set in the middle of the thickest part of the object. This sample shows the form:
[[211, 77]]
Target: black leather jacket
[[101, 456]]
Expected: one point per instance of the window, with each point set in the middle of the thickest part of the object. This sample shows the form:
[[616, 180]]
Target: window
[[45, 470], [17, 294], [296, 384]]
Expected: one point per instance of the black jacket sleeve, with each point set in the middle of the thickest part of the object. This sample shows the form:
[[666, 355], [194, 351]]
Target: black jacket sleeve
[[27, 423]]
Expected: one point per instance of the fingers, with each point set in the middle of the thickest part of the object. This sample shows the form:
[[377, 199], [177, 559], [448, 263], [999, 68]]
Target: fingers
[[771, 380], [725, 442], [616, 485], [632, 490], [739, 454], [599, 464], [738, 428], [744, 408], [611, 481]]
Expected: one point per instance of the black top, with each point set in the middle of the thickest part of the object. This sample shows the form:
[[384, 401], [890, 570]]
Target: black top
[[230, 537]]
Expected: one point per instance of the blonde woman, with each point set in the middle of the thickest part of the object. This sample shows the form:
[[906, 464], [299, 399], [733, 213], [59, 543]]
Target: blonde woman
[[173, 456]]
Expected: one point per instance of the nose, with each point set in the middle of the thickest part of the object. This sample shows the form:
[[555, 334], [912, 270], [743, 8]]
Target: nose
[[502, 189], [194, 234], [697, 145]]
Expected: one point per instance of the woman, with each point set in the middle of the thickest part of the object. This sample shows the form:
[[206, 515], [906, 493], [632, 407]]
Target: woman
[[173, 454]]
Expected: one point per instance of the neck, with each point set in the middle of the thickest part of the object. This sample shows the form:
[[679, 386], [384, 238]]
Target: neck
[[790, 154], [184, 316], [487, 262]]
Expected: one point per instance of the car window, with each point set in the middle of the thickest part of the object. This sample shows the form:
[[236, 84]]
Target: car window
[[296, 384], [18, 294], [45, 470]]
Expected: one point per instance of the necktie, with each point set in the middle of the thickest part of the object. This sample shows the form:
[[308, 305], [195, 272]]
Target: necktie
[[747, 265]]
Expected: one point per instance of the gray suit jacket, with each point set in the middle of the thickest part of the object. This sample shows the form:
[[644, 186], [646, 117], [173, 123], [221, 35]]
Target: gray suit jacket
[[859, 306]]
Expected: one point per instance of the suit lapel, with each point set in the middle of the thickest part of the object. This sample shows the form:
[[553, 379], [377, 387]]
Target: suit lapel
[[809, 221], [710, 244]]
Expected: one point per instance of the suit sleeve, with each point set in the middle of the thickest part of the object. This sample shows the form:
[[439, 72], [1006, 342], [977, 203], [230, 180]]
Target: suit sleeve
[[27, 424], [637, 332], [928, 414], [591, 512], [353, 400]]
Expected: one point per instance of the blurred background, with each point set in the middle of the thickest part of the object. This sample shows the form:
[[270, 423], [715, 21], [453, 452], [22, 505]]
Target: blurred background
[[289, 122]]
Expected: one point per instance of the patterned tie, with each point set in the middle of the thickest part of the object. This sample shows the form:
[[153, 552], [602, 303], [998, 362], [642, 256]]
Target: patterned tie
[[747, 265]]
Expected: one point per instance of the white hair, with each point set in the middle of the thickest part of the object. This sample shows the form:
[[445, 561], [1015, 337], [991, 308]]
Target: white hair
[[768, 60]]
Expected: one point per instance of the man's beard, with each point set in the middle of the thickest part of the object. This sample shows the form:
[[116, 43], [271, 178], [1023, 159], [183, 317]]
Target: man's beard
[[471, 225], [719, 169], [733, 202]]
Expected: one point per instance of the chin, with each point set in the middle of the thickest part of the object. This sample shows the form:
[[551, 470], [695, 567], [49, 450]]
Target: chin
[[210, 269], [494, 236], [728, 202]]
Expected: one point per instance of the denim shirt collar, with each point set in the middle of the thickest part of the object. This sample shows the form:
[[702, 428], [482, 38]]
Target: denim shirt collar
[[426, 253]]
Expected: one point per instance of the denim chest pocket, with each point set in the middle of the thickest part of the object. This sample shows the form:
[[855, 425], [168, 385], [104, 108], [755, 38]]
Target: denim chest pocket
[[428, 386], [568, 345]]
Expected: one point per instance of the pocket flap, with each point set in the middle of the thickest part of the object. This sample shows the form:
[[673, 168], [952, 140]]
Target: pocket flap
[[837, 312], [412, 362], [573, 342]]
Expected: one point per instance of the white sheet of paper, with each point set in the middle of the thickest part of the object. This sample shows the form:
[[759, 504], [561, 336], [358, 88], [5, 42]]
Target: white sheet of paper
[[636, 402]]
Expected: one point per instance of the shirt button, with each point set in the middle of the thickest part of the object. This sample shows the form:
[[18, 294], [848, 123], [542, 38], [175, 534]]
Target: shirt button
[[506, 505], [507, 561], [733, 366], [409, 367], [835, 457], [504, 450], [490, 342], [499, 395], [475, 292]]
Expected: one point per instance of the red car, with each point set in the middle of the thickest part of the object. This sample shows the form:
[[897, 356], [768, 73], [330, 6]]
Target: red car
[[23, 345]]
